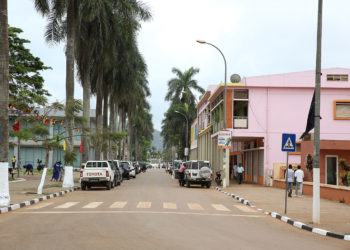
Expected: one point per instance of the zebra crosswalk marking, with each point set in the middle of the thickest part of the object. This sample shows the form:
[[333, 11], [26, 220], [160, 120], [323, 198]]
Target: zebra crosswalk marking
[[220, 207], [194, 206], [144, 204], [169, 205], [38, 206], [245, 208], [93, 205], [118, 204], [67, 205]]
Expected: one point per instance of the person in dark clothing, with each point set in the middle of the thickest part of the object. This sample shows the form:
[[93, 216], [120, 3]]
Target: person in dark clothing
[[29, 168]]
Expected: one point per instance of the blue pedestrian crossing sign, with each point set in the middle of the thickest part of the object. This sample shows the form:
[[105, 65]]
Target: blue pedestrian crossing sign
[[288, 142]]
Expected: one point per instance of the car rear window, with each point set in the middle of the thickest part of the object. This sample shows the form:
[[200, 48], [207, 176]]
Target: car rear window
[[96, 164], [204, 164], [125, 165], [194, 165]]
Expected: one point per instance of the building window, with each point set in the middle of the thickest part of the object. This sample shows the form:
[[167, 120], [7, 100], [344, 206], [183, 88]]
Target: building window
[[240, 108], [337, 78], [342, 110]]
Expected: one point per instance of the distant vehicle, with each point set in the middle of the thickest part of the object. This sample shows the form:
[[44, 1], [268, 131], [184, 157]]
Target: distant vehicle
[[97, 173], [125, 165], [176, 167], [198, 172], [132, 171], [121, 170], [137, 167]]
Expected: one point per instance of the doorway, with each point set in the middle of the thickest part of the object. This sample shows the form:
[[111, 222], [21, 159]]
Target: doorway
[[332, 170]]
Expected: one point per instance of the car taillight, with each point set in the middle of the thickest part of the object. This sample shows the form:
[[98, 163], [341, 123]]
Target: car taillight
[[81, 173], [107, 173], [189, 174]]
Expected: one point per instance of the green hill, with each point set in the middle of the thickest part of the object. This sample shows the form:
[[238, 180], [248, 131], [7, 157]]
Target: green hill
[[157, 141]]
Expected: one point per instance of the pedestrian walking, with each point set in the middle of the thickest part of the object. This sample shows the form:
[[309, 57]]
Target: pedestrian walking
[[56, 171], [299, 175], [290, 180], [240, 171], [14, 161]]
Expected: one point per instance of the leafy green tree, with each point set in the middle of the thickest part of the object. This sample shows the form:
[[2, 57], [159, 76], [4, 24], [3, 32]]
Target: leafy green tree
[[25, 81]]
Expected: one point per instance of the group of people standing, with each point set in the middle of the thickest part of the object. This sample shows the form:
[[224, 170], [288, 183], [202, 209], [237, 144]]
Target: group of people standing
[[298, 176]]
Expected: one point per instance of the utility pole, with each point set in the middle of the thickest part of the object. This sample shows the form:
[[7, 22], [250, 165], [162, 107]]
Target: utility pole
[[316, 163]]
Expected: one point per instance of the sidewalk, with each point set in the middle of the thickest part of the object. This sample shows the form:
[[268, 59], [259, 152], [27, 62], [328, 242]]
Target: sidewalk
[[25, 188], [334, 215]]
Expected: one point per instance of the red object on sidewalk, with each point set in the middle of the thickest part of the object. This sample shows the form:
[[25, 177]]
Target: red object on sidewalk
[[16, 127], [81, 147]]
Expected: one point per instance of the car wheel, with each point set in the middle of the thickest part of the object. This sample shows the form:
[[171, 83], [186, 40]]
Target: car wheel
[[88, 186], [83, 186], [208, 184], [108, 185], [188, 184]]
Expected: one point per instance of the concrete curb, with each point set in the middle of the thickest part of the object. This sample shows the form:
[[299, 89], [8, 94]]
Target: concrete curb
[[36, 200], [287, 219]]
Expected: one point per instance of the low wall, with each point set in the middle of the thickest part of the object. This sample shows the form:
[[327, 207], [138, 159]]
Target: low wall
[[332, 192]]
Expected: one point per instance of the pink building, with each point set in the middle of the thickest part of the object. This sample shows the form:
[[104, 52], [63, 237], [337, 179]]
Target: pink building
[[260, 109]]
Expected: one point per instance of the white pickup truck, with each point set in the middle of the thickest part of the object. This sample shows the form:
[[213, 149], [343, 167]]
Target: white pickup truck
[[97, 173]]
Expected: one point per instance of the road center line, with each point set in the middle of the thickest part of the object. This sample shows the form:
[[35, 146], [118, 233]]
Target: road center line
[[194, 206], [144, 204], [220, 207], [67, 205], [169, 205], [118, 204], [92, 205]]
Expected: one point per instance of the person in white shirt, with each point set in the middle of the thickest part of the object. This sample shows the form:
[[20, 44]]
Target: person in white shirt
[[299, 175], [240, 171], [290, 179], [235, 173]]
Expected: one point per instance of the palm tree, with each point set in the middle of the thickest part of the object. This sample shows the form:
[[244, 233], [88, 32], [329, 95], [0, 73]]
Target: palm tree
[[55, 32], [4, 96], [182, 85]]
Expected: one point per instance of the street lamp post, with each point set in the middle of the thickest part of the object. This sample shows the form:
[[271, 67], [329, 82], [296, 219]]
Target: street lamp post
[[226, 179], [186, 132]]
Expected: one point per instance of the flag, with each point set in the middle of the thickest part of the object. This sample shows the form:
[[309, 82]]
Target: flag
[[47, 121], [310, 118], [64, 145], [81, 147], [53, 121], [16, 127]]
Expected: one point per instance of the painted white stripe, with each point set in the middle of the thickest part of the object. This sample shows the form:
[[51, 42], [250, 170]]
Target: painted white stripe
[[194, 206], [93, 204], [347, 237], [118, 204], [4, 210], [144, 204], [284, 218], [15, 206], [44, 198], [36, 200], [41, 205], [169, 205], [319, 231], [220, 207], [51, 196], [298, 224], [246, 209], [27, 203], [273, 214], [67, 205]]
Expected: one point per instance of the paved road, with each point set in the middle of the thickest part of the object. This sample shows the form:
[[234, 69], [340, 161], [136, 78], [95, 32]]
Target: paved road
[[151, 212]]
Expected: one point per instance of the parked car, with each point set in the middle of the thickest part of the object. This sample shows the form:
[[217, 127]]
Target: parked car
[[132, 172], [121, 170], [137, 167], [198, 172], [125, 165], [117, 176], [97, 173]]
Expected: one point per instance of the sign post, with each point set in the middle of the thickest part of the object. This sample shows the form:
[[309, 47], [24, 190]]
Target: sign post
[[224, 142], [288, 145]]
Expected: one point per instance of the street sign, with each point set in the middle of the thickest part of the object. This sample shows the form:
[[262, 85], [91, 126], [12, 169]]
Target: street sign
[[224, 139], [288, 142]]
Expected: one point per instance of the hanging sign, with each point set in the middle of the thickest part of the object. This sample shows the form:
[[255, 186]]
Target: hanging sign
[[224, 139]]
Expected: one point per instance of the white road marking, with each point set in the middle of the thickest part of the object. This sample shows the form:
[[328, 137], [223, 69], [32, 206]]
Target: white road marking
[[142, 212], [92, 205], [169, 205], [118, 204], [220, 207], [67, 205], [194, 206], [38, 206], [246, 209], [143, 204]]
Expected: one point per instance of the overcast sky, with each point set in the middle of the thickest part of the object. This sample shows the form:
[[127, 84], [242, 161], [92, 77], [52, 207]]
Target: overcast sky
[[258, 37]]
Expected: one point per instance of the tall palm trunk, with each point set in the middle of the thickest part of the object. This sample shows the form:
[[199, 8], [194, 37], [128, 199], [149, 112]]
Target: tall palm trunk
[[120, 129], [86, 103], [123, 129], [99, 111], [129, 153], [104, 120], [70, 75], [4, 83], [136, 146]]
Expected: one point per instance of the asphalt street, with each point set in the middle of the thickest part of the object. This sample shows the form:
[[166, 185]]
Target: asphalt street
[[151, 212]]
